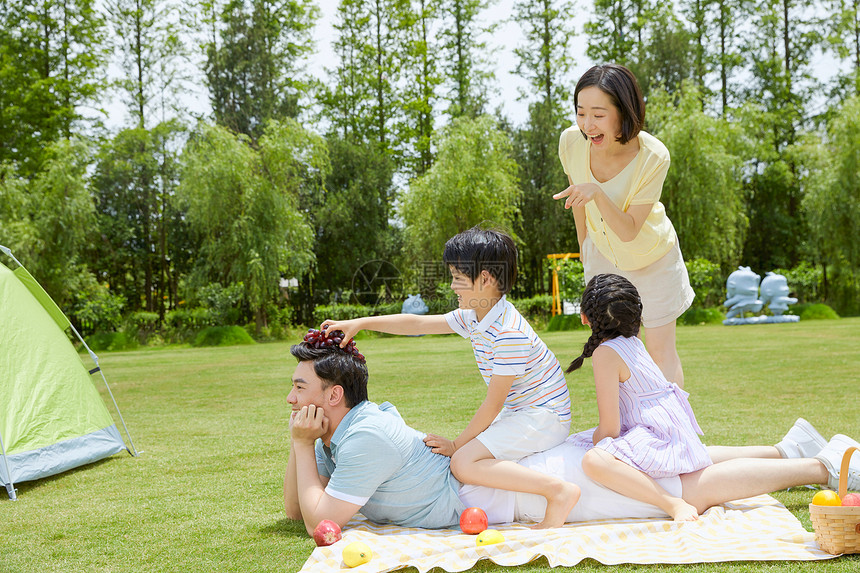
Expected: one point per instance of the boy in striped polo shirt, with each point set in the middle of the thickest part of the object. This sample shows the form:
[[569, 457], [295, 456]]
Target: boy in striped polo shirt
[[527, 407]]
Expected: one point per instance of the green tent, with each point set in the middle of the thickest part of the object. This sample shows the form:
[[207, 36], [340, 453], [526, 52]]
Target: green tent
[[52, 418]]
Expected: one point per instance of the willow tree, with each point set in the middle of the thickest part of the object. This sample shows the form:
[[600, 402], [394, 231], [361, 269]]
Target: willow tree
[[472, 181], [241, 206]]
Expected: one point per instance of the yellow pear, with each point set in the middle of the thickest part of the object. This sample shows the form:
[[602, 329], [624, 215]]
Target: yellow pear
[[356, 553], [488, 537]]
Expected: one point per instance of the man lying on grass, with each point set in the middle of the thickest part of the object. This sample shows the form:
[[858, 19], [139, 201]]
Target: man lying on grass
[[349, 455]]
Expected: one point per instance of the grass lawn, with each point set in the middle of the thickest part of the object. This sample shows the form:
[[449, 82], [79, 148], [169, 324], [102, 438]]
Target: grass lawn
[[205, 494]]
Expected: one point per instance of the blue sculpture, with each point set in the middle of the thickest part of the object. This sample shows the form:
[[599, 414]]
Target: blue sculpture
[[414, 304], [774, 293], [742, 293], [742, 289]]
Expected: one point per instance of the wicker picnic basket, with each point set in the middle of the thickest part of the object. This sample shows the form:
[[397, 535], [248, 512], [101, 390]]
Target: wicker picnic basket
[[837, 528]]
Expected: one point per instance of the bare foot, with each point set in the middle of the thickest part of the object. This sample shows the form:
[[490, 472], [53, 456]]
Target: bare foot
[[559, 504], [682, 511]]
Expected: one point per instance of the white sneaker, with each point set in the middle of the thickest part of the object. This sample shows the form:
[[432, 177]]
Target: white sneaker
[[801, 441], [831, 457]]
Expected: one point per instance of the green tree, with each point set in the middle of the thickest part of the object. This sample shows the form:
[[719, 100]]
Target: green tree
[[351, 219], [668, 57], [52, 63], [254, 57], [422, 78], [543, 224], [150, 46], [15, 227], [464, 57], [365, 104], [379, 106], [843, 40], [472, 181], [241, 207], [703, 192], [135, 184], [55, 222], [544, 61], [730, 13], [832, 204], [782, 42], [617, 31], [781, 47], [715, 35]]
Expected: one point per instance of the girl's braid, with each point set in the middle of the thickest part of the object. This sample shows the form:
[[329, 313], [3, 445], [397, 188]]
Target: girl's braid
[[613, 307], [593, 341]]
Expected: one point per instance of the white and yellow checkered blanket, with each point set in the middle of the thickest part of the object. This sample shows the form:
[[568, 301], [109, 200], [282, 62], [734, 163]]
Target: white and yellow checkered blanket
[[754, 529]]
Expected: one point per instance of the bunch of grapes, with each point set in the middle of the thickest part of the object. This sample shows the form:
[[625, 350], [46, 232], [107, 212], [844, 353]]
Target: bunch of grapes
[[323, 339]]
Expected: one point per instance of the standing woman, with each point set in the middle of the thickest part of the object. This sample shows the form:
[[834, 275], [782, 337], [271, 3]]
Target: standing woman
[[616, 173]]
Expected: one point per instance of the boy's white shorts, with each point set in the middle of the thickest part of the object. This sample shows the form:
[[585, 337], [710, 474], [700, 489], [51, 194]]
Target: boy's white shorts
[[515, 434]]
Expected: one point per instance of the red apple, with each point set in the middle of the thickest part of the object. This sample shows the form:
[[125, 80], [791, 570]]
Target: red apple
[[327, 532], [473, 521], [851, 499]]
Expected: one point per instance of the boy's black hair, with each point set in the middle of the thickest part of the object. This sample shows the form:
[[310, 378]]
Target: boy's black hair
[[336, 368], [479, 249], [612, 305], [621, 86]]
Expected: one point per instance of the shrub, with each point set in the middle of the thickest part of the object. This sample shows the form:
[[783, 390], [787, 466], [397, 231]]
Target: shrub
[[804, 281], [707, 282], [222, 336], [340, 312], [537, 310], [222, 302], [201, 317], [111, 341], [565, 322], [534, 308], [141, 325], [181, 325], [279, 322], [843, 291], [816, 311], [97, 309], [694, 316]]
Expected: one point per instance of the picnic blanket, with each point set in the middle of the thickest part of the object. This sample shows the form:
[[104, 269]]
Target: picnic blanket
[[754, 529]]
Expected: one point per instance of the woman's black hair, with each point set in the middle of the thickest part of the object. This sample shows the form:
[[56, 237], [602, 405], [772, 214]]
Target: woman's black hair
[[621, 86], [612, 305], [336, 368]]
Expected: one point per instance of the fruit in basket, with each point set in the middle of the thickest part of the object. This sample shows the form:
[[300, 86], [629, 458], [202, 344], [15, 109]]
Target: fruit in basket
[[851, 499], [473, 520], [826, 497]]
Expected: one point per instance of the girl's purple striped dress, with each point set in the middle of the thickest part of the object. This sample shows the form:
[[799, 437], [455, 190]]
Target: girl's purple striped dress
[[659, 433]]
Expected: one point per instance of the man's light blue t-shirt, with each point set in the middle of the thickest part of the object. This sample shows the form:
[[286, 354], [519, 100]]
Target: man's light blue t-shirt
[[377, 461]]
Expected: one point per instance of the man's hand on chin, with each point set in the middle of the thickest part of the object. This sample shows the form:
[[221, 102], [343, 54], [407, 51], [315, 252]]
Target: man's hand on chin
[[308, 424]]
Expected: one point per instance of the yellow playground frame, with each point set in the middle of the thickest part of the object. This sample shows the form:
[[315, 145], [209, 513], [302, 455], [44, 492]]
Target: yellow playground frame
[[556, 297]]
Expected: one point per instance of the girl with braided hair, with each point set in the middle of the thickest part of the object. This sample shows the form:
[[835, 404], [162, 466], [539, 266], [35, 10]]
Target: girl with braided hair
[[646, 427]]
